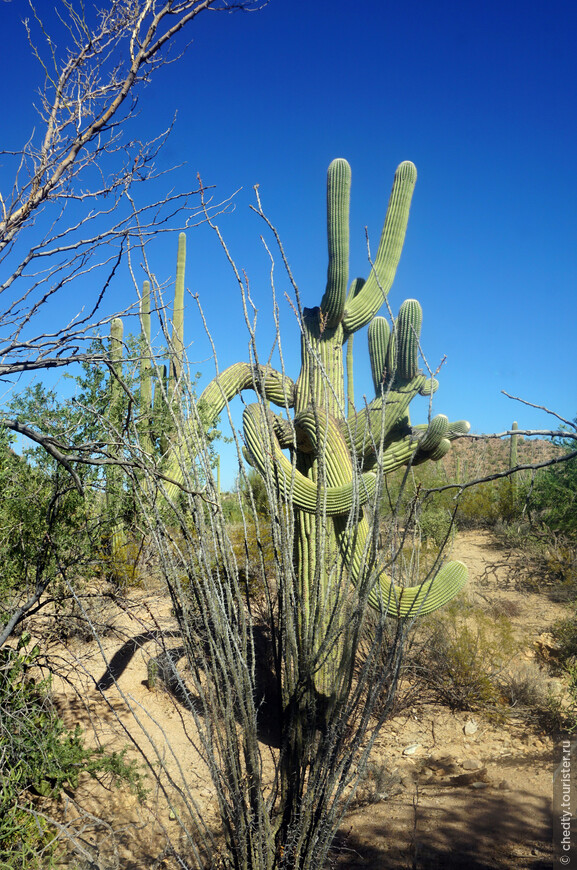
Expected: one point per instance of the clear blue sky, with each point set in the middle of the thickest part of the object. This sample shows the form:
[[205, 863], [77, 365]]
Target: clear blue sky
[[480, 96]]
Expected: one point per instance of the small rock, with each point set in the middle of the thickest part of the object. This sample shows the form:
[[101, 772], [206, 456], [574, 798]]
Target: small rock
[[442, 765], [479, 785], [547, 647], [172, 816], [504, 785], [410, 750], [472, 764], [471, 727], [469, 778]]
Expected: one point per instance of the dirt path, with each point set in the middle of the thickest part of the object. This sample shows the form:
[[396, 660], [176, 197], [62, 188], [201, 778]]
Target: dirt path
[[472, 794], [452, 790]]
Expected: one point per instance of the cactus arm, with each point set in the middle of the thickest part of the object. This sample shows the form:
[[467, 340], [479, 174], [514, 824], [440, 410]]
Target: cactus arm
[[367, 426], [338, 198], [430, 386], [435, 440], [408, 601], [360, 310], [458, 429], [378, 336], [274, 386], [399, 601], [408, 329], [263, 448], [435, 432], [396, 455]]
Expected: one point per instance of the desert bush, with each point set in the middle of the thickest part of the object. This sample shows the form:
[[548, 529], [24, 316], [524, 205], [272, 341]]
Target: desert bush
[[533, 695], [84, 615], [565, 633], [48, 535], [459, 658], [526, 687], [252, 490], [436, 524], [548, 562], [40, 759], [485, 505], [253, 547], [553, 498]]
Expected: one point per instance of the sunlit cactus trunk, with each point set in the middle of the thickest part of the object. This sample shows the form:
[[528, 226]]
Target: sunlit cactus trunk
[[319, 398]]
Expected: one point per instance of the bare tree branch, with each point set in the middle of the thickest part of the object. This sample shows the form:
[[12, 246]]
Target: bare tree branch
[[71, 213], [539, 407], [564, 457]]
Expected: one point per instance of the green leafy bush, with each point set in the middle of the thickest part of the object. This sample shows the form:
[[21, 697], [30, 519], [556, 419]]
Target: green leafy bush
[[40, 759], [46, 530], [565, 633], [553, 500], [461, 656]]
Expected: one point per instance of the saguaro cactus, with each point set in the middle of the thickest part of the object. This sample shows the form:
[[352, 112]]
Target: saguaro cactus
[[513, 446], [160, 390], [114, 488], [513, 462], [330, 441]]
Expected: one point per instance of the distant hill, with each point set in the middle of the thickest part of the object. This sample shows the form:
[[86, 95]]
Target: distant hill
[[471, 458]]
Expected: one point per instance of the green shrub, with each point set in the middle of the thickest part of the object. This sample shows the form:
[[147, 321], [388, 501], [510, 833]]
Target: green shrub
[[40, 759], [553, 500], [565, 633], [461, 657], [479, 506]]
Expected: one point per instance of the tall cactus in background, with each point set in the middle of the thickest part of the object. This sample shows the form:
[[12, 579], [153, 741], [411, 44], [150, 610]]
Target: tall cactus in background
[[159, 392], [176, 351], [513, 453], [513, 462], [146, 398], [160, 404], [114, 489], [338, 451]]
